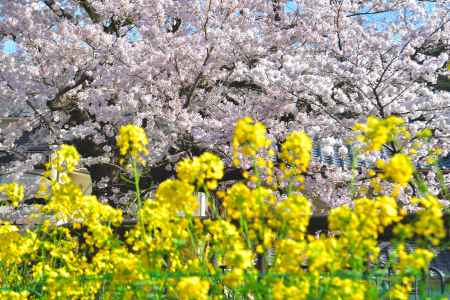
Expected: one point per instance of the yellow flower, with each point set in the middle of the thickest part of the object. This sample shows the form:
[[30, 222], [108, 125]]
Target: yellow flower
[[377, 132], [342, 218], [252, 219], [321, 255], [192, 288], [290, 256], [387, 210], [298, 291], [15, 192], [345, 289], [64, 160], [249, 138], [234, 278], [223, 232], [399, 169], [424, 133], [69, 204], [178, 195], [15, 249], [429, 224], [292, 216], [241, 259], [399, 292], [358, 228], [241, 201], [413, 262], [11, 295], [132, 141], [205, 169], [296, 151]]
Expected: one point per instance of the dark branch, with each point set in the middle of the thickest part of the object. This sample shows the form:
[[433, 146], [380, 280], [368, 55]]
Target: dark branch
[[55, 102], [93, 15], [57, 9], [369, 13]]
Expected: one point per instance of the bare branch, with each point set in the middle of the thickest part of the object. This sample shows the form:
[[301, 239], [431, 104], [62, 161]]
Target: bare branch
[[57, 9]]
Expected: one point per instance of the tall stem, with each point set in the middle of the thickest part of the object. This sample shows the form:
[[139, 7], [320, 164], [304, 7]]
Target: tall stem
[[136, 176]]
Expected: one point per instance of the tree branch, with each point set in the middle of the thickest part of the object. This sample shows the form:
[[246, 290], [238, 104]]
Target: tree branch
[[83, 77], [57, 10], [93, 15]]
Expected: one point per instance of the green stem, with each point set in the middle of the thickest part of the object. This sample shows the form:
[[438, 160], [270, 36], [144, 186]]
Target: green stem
[[136, 176], [354, 174], [442, 184]]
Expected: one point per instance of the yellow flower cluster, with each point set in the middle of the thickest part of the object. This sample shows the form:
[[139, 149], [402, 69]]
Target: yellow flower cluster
[[377, 132], [132, 141], [230, 250], [296, 151], [205, 169], [13, 250], [414, 262], [298, 291], [250, 205], [345, 289], [290, 254], [256, 245], [291, 216], [14, 192], [358, 228], [399, 169], [408, 266], [178, 195], [249, 138], [392, 176], [429, 224], [400, 291], [11, 295], [64, 160], [192, 288]]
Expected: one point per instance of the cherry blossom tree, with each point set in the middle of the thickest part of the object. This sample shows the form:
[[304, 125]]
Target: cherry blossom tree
[[187, 70]]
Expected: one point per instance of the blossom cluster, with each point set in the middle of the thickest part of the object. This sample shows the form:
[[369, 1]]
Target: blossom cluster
[[255, 242], [78, 70]]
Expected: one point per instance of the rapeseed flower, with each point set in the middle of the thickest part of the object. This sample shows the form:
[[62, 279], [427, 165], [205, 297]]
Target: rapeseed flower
[[240, 259], [15, 247], [429, 224], [14, 192], [64, 160], [291, 255], [12, 295], [399, 169], [224, 235], [399, 291], [178, 195], [291, 216], [205, 169], [344, 288], [192, 288], [252, 219], [377, 132], [240, 201], [299, 290], [296, 151], [132, 141], [249, 138], [413, 262]]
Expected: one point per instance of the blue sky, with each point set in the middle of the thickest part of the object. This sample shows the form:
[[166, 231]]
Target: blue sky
[[9, 46]]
